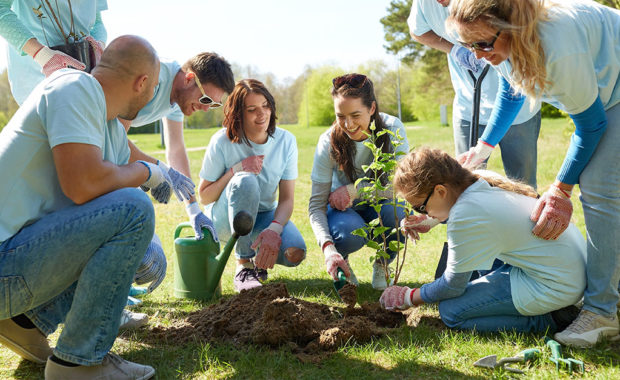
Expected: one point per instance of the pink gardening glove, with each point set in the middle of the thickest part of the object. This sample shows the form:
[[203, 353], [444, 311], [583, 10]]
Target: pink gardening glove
[[552, 214], [333, 261], [269, 242], [413, 225], [475, 157], [342, 198], [52, 60], [98, 47], [397, 297], [252, 164]]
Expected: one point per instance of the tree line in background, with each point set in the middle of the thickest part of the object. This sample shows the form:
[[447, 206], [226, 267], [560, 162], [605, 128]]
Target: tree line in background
[[421, 74]]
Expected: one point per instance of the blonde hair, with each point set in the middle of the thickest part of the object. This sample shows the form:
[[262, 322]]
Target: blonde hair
[[519, 19], [424, 168]]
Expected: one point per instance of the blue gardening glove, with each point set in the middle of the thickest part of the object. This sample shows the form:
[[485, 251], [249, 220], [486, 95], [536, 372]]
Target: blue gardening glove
[[153, 266], [183, 186], [466, 58], [198, 220]]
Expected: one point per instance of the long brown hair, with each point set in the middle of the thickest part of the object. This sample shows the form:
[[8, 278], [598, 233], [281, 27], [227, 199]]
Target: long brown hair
[[234, 107], [342, 147], [421, 170], [519, 19]]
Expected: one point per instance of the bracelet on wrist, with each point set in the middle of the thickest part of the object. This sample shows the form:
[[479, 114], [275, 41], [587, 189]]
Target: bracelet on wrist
[[37, 52]]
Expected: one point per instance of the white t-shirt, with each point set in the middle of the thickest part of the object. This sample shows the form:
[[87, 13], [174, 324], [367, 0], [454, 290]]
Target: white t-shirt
[[67, 107], [279, 163], [487, 223]]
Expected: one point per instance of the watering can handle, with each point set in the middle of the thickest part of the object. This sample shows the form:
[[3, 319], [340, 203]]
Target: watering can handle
[[180, 227]]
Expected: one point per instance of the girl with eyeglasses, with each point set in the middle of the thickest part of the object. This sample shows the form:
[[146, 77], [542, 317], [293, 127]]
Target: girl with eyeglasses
[[488, 218], [568, 54], [338, 160], [245, 165]]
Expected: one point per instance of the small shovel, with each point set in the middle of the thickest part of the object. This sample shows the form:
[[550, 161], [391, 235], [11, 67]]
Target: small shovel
[[341, 281], [522, 357]]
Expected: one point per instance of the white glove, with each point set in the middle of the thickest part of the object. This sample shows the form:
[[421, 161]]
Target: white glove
[[413, 225], [156, 175], [52, 60], [182, 186], [333, 261], [473, 158]]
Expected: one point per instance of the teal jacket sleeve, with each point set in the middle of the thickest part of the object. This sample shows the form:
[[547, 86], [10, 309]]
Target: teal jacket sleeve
[[98, 30], [11, 28]]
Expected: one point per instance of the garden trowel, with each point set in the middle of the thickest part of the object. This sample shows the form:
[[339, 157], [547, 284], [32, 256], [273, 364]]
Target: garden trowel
[[491, 361], [341, 281]]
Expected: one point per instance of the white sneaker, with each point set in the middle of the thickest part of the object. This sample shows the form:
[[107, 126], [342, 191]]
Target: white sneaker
[[352, 277], [378, 276], [587, 329], [131, 320], [112, 367]]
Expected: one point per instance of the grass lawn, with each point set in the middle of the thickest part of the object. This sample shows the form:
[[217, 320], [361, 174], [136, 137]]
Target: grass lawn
[[425, 351]]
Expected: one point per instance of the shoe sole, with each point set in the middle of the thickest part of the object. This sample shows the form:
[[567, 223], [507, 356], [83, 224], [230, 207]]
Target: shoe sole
[[20, 350], [583, 342]]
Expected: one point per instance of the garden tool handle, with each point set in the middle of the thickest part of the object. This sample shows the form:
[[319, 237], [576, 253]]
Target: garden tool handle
[[529, 354], [556, 348], [180, 228], [340, 275]]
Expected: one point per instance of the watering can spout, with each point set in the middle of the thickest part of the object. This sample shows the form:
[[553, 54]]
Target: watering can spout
[[242, 225]]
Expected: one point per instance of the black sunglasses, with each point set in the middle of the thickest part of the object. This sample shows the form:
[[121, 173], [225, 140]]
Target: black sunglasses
[[482, 45], [421, 209], [353, 80]]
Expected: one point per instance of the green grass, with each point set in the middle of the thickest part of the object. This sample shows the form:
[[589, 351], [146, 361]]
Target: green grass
[[424, 351]]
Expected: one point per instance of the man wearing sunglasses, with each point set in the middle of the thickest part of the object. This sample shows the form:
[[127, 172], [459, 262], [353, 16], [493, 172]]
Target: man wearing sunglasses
[[427, 26]]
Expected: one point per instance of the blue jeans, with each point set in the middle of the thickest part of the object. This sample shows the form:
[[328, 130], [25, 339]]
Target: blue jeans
[[75, 266], [600, 197], [518, 147], [243, 193], [342, 223], [487, 306]]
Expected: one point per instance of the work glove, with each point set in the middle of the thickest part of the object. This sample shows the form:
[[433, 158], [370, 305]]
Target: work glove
[[466, 58], [159, 181], [52, 60], [252, 164], [333, 261], [342, 198], [199, 220], [475, 157], [268, 243], [413, 225], [397, 297], [551, 214], [182, 186], [153, 266], [98, 47]]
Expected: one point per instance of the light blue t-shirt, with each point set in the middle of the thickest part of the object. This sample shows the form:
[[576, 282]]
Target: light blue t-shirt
[[23, 72], [429, 15], [581, 41], [68, 107], [279, 163], [487, 223], [326, 170], [160, 106]]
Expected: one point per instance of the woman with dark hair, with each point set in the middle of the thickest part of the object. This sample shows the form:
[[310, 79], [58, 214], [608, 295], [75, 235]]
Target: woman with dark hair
[[244, 166], [338, 161]]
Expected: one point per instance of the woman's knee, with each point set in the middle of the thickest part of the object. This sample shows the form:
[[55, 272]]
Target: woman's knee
[[245, 182], [294, 256]]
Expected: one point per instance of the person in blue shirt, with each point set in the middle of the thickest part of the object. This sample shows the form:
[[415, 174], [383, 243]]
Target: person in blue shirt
[[30, 28], [567, 54], [245, 165], [73, 225], [340, 155], [487, 219], [519, 146]]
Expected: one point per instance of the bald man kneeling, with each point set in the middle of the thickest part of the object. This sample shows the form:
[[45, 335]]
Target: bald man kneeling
[[73, 225]]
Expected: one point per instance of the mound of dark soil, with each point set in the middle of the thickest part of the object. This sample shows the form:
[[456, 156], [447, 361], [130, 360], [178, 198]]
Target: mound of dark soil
[[268, 315]]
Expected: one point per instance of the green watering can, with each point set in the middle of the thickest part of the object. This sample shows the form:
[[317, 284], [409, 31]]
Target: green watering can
[[199, 264]]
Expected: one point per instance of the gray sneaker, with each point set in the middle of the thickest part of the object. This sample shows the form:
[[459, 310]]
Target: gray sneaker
[[30, 344], [588, 329], [131, 320], [112, 367]]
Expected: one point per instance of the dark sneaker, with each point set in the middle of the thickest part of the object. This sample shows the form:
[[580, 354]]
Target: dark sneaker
[[246, 277], [261, 274]]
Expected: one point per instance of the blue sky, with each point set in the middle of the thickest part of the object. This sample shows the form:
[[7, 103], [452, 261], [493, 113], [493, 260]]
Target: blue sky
[[278, 36]]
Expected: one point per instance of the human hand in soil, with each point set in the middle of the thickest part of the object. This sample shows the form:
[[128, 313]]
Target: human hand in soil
[[268, 243], [252, 164], [342, 198], [552, 213], [397, 297], [413, 225], [333, 261], [52, 60]]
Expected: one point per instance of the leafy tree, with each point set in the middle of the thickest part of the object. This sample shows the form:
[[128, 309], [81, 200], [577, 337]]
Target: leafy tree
[[317, 107]]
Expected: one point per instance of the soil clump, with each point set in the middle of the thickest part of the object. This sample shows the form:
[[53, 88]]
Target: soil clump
[[348, 295]]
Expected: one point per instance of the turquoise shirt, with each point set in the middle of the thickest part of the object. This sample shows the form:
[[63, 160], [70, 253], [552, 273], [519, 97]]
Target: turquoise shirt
[[326, 170], [488, 223], [581, 41], [429, 15], [160, 106], [19, 23], [280, 162], [68, 107]]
